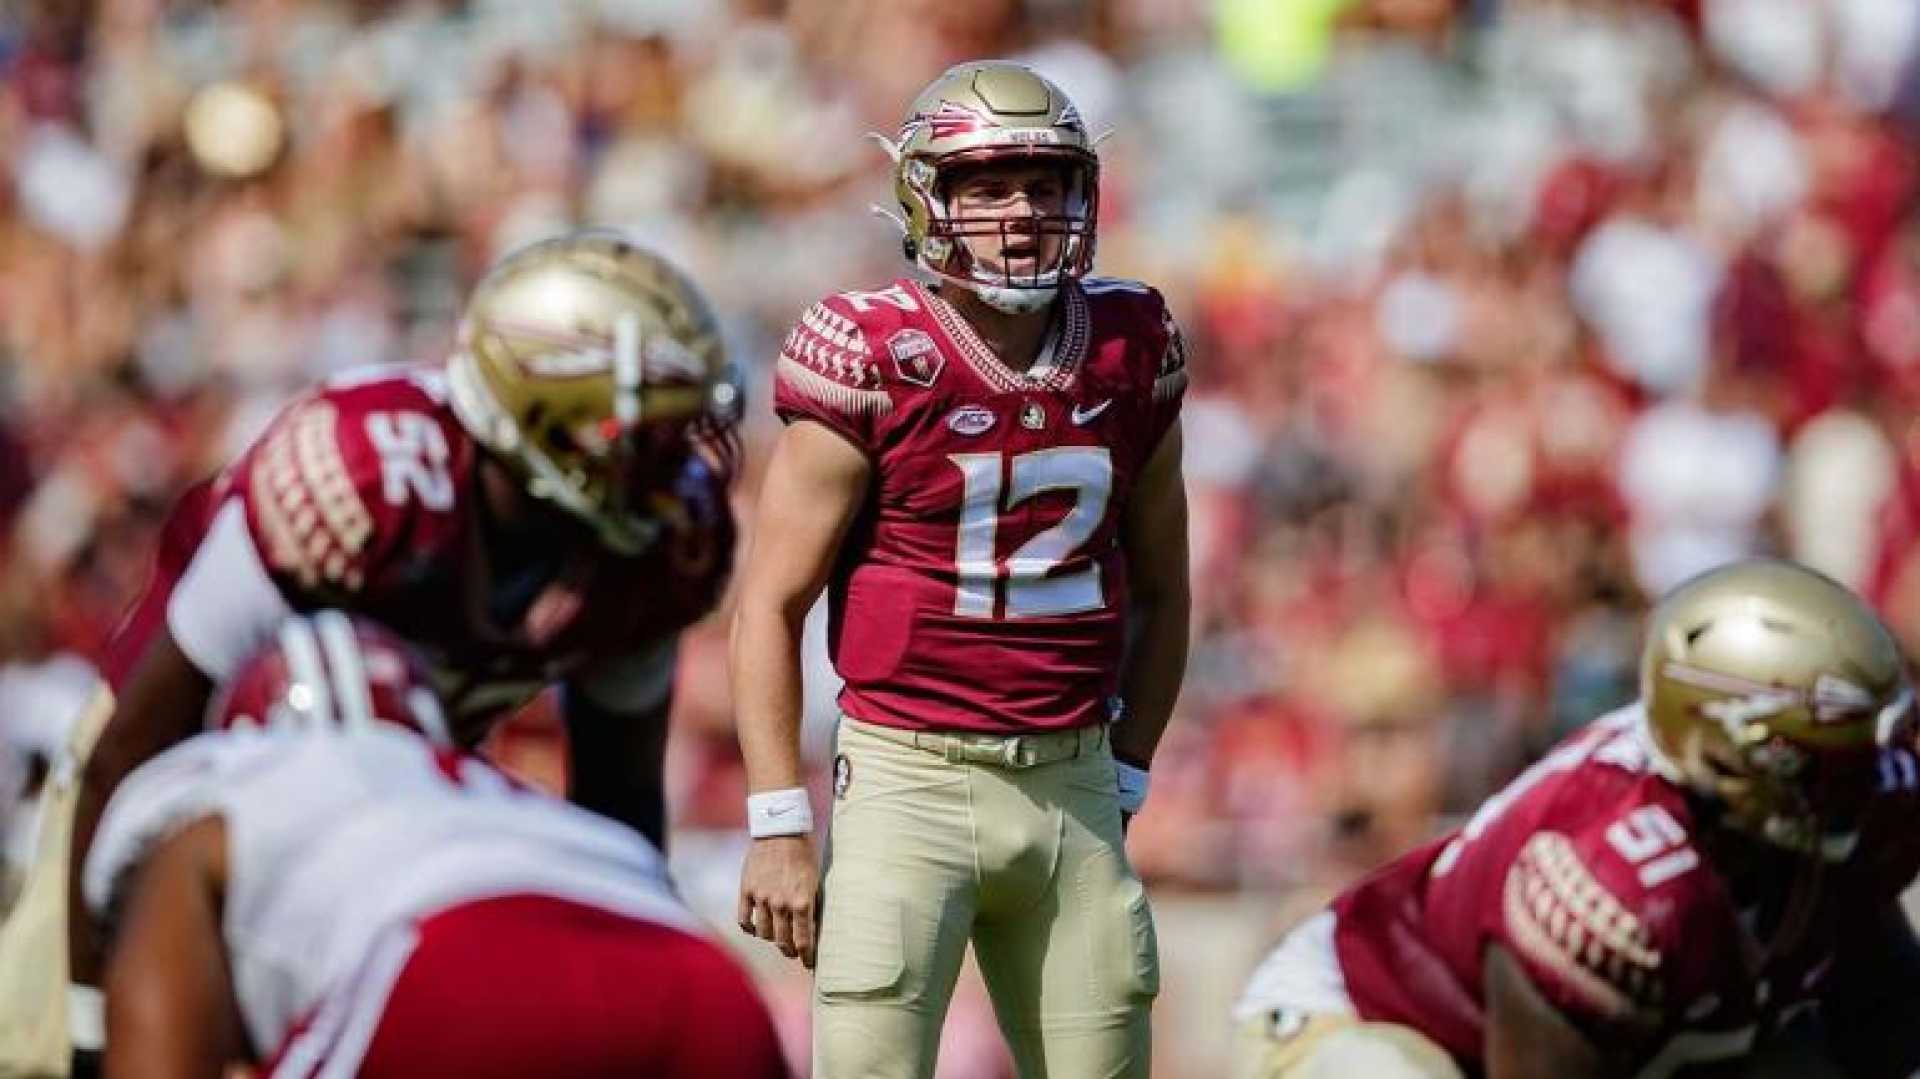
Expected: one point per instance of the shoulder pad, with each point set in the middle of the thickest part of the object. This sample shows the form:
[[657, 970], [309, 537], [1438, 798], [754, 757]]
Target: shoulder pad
[[338, 470], [826, 357], [1147, 309], [167, 793], [1575, 911]]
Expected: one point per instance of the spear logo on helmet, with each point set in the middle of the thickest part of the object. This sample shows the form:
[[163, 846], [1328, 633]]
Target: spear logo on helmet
[[950, 120]]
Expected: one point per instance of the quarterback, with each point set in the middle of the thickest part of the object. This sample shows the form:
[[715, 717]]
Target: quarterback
[[323, 886], [1660, 891], [547, 506], [984, 473]]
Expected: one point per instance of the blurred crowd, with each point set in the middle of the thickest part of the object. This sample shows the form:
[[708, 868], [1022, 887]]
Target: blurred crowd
[[1505, 315]]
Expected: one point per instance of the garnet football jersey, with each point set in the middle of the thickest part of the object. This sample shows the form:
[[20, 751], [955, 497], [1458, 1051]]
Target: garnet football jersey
[[337, 841], [363, 494], [983, 587], [1586, 870]]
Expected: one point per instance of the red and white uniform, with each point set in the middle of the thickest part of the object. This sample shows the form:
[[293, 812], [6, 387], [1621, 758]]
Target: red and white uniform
[[983, 588], [363, 495], [1586, 869], [377, 886]]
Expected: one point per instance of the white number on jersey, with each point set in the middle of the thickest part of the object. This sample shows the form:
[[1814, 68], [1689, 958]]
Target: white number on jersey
[[1650, 838], [1087, 471], [892, 296], [413, 459]]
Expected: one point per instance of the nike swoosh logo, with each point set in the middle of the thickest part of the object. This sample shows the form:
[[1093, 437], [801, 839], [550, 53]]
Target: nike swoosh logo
[[779, 811], [1081, 419]]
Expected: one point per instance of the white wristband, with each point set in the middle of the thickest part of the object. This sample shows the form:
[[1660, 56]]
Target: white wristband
[[1133, 786], [86, 1018], [781, 812]]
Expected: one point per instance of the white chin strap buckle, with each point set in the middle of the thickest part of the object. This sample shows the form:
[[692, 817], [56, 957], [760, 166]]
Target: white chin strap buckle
[[1015, 301]]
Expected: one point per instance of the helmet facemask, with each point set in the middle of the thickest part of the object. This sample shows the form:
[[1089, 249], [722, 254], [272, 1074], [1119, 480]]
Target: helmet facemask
[[1804, 800], [1045, 248]]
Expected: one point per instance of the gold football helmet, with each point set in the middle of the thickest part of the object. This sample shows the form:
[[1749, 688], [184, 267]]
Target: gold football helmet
[[593, 368], [982, 112], [1770, 688]]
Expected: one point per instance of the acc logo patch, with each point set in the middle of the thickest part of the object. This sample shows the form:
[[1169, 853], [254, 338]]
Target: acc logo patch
[[971, 420], [1032, 416], [915, 357], [842, 775]]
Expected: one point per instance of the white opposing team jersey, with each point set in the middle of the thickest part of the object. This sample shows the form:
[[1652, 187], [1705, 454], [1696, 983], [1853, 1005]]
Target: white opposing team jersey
[[338, 839]]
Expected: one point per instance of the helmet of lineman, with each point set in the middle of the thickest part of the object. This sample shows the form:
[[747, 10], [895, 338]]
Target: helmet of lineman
[[331, 669], [984, 112], [594, 368], [1769, 688]]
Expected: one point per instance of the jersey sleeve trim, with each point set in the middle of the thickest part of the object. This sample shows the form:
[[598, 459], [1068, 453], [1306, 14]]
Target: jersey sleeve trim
[[808, 383], [1560, 918], [225, 604], [312, 519], [826, 358]]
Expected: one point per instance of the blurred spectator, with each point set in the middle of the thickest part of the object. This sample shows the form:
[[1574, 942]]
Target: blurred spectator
[[1505, 315]]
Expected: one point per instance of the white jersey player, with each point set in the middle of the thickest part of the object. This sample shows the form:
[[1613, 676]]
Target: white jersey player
[[318, 893]]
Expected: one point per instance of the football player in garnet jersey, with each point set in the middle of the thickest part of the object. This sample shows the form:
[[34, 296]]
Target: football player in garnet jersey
[[984, 473], [548, 506], [1659, 891], [324, 886]]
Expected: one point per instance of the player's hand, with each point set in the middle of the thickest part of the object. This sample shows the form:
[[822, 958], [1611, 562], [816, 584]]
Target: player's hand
[[779, 894]]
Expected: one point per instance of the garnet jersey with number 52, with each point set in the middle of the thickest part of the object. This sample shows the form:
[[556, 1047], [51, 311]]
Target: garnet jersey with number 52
[[362, 495], [983, 586]]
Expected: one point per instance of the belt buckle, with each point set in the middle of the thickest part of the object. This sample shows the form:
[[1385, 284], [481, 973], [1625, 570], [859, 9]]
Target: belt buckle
[[1018, 752]]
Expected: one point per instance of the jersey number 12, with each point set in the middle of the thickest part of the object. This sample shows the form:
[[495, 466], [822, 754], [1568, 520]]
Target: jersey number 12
[[991, 479]]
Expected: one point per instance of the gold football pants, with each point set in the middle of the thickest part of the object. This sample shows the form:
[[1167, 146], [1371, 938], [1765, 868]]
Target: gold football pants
[[33, 938], [1012, 843]]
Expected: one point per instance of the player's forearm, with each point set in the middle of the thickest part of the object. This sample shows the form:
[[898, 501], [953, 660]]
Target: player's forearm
[[171, 1012], [1151, 682], [160, 707], [767, 693], [162, 1032], [1525, 1035], [617, 762]]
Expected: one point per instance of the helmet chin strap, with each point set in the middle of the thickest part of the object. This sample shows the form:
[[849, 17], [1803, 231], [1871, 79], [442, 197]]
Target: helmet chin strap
[[1013, 301]]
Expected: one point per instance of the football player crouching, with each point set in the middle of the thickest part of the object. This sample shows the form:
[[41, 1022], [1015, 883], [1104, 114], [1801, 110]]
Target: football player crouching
[[322, 885], [1657, 892], [547, 507]]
